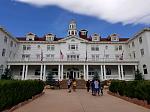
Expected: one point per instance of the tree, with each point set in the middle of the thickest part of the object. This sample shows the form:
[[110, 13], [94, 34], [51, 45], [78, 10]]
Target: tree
[[96, 76], [50, 79], [138, 75], [7, 75]]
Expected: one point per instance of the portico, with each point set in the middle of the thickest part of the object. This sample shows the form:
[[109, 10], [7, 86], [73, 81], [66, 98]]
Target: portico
[[77, 70]]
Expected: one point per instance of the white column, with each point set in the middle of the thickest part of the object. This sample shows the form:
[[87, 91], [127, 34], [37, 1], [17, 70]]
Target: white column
[[41, 72], [8, 66], [59, 72], [62, 71], [119, 72], [136, 67], [122, 72], [26, 72], [44, 73], [87, 72], [23, 69], [104, 72], [84, 74]]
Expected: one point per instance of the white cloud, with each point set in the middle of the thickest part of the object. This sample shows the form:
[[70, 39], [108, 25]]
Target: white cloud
[[113, 11]]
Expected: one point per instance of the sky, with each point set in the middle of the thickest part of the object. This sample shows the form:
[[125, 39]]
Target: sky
[[124, 17]]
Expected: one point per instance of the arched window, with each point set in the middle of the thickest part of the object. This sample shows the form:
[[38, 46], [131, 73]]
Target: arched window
[[145, 69]]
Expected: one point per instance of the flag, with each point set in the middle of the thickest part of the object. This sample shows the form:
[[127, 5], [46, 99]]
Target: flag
[[121, 57], [61, 55], [41, 55]]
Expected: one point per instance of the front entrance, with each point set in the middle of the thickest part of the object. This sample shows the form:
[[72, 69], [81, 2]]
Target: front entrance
[[73, 74]]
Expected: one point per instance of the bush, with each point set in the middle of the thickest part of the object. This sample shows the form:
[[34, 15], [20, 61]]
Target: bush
[[132, 89], [13, 92]]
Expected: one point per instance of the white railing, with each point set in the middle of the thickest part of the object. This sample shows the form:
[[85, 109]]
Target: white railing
[[112, 77], [71, 60], [129, 76]]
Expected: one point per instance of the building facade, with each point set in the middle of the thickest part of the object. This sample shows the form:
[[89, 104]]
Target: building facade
[[76, 55]]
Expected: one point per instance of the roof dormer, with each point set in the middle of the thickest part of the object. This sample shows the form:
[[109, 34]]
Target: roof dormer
[[50, 37], [30, 36], [95, 37], [114, 37]]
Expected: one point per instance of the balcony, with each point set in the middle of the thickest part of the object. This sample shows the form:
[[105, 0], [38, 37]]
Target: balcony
[[71, 60]]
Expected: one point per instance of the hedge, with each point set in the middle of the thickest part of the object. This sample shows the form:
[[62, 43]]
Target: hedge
[[13, 92], [132, 89]]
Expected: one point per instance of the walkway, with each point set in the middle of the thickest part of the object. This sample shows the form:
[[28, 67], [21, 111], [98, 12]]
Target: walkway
[[80, 101]]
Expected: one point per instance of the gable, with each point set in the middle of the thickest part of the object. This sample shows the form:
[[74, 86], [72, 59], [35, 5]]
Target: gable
[[73, 39]]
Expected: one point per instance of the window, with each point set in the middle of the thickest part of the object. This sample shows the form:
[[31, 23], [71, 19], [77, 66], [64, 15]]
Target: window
[[116, 48], [120, 47], [5, 39], [95, 56], [3, 52], [51, 56], [133, 44], [142, 52], [26, 47], [95, 48], [108, 71], [38, 46], [50, 47], [134, 55], [73, 47], [25, 56], [38, 56], [117, 56], [1, 69], [140, 40], [106, 56], [11, 44], [37, 72], [106, 47], [145, 69], [72, 57]]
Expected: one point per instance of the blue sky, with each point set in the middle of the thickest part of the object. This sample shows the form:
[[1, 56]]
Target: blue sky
[[20, 18]]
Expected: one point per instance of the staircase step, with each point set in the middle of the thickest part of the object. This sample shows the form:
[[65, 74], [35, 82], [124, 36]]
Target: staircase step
[[81, 84]]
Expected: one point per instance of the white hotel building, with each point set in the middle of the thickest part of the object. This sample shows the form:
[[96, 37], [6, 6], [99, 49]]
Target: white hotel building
[[76, 55]]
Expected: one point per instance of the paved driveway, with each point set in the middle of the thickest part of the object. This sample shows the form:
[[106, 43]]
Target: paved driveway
[[79, 101]]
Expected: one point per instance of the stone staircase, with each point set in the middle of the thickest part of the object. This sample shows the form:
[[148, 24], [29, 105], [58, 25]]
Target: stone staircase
[[81, 84]]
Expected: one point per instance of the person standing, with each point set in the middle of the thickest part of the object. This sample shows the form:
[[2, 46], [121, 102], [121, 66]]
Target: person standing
[[96, 84], [93, 87], [102, 87], [74, 85], [69, 82], [88, 85]]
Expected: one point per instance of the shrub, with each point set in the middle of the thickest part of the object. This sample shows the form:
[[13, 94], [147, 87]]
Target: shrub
[[132, 89], [13, 92]]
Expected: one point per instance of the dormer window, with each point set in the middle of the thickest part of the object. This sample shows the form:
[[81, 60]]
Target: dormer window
[[50, 37], [30, 37], [95, 37], [114, 37]]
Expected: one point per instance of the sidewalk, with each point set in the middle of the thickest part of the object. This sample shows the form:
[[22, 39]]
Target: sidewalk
[[80, 101]]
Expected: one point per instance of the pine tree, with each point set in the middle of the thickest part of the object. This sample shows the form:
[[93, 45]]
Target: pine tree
[[96, 76], [50, 79], [138, 75], [7, 75]]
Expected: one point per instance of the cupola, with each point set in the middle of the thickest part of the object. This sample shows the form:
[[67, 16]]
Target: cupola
[[72, 29]]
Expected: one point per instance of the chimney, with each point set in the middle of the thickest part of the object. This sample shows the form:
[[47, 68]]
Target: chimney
[[83, 34]]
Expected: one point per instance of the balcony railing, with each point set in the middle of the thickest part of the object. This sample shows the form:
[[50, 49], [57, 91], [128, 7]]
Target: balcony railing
[[72, 60]]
